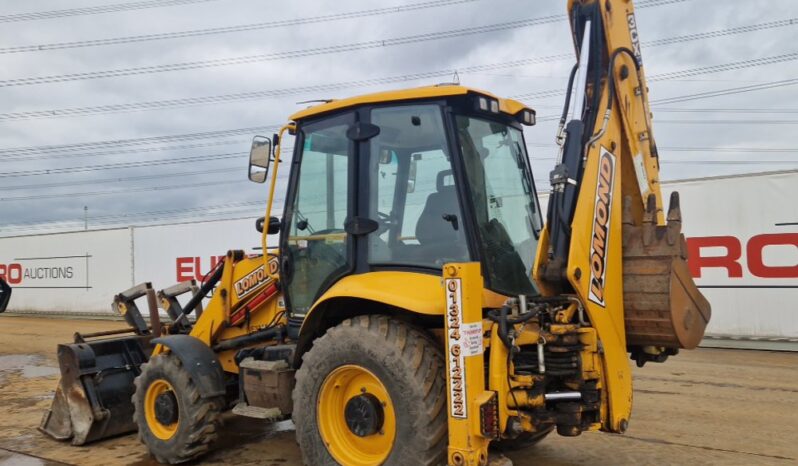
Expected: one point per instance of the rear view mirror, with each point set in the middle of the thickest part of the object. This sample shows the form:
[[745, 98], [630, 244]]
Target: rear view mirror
[[260, 155]]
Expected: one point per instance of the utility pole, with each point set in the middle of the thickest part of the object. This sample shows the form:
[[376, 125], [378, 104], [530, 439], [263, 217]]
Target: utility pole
[[85, 218]]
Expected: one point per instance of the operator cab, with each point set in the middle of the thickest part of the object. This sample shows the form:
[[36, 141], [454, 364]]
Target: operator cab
[[409, 180]]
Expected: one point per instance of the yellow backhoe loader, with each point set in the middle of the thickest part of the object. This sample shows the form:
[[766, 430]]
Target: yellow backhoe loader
[[418, 310]]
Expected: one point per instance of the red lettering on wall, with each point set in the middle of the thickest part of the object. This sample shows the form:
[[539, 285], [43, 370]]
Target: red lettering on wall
[[757, 265], [11, 273], [729, 261], [184, 269], [189, 268]]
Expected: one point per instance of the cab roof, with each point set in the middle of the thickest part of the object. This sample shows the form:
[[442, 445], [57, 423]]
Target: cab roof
[[508, 106]]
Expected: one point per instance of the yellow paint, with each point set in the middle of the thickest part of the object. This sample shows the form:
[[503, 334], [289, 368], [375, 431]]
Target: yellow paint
[[392, 288], [463, 295], [154, 390], [340, 386], [211, 327], [272, 187], [508, 106], [627, 137]]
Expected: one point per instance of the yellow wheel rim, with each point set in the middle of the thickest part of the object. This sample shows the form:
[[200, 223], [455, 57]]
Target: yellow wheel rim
[[352, 386], [160, 430]]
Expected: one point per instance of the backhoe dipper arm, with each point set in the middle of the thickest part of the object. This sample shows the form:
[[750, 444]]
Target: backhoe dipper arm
[[605, 238], [610, 108]]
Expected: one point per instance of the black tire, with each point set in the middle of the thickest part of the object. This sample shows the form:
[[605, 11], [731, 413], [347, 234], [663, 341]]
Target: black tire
[[405, 360], [523, 441], [199, 419]]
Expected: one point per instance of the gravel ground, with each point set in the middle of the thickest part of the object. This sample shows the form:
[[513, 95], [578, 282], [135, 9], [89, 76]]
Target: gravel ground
[[709, 406]]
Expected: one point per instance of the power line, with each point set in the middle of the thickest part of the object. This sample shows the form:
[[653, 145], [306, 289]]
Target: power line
[[676, 74], [112, 192], [94, 10], [27, 151], [140, 150], [225, 98], [727, 110], [690, 97], [120, 166], [243, 96], [254, 26], [151, 213], [723, 32], [133, 141], [726, 67], [232, 29], [123, 180], [727, 122], [280, 55], [348, 48], [745, 150], [729, 91]]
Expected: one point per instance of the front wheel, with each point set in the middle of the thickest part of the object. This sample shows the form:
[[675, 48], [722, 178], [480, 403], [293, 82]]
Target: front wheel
[[174, 422], [371, 391]]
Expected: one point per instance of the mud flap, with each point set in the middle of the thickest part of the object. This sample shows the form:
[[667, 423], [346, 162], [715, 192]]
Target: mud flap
[[662, 304], [93, 398]]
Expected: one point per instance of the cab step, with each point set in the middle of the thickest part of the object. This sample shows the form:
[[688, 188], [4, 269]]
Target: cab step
[[269, 414]]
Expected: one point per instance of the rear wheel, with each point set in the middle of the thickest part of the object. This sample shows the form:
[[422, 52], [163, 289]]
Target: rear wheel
[[371, 391], [174, 422]]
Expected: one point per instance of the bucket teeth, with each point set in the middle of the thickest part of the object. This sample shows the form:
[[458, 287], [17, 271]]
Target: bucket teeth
[[674, 221], [650, 220]]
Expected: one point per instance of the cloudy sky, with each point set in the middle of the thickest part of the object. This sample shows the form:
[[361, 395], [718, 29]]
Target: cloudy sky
[[144, 113]]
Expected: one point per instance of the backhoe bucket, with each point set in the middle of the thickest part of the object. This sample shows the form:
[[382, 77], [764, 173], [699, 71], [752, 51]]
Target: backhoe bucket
[[663, 306], [93, 398]]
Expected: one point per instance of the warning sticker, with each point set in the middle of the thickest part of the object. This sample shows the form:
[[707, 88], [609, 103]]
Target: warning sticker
[[472, 338], [642, 176]]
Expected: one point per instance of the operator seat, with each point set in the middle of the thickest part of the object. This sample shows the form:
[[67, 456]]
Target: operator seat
[[437, 237]]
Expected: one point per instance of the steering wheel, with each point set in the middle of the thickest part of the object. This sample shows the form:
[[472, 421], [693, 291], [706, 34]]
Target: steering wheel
[[320, 250]]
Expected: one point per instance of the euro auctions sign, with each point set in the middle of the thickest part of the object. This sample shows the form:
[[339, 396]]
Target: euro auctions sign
[[768, 258], [47, 272]]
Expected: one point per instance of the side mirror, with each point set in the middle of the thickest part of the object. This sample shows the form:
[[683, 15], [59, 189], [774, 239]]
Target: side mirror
[[260, 155], [274, 225]]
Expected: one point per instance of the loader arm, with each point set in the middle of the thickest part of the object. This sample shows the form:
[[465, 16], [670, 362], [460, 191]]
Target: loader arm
[[606, 238]]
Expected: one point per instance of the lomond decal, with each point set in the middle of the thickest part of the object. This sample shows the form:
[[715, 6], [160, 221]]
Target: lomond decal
[[251, 282], [601, 226], [456, 358], [632, 23]]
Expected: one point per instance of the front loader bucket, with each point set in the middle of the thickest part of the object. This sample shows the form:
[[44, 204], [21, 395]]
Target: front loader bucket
[[93, 398], [663, 306]]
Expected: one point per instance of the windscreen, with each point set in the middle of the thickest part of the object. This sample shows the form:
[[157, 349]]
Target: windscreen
[[506, 210]]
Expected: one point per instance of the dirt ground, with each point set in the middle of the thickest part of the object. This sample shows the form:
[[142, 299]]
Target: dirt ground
[[708, 406]]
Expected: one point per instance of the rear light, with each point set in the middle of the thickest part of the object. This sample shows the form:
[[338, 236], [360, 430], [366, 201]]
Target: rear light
[[489, 417]]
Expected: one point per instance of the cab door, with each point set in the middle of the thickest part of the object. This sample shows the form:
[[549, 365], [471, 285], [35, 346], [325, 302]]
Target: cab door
[[317, 250]]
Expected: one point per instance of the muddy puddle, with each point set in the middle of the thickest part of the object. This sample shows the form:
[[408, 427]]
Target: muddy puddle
[[29, 365]]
